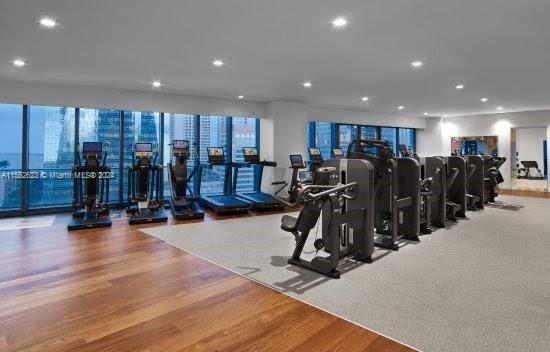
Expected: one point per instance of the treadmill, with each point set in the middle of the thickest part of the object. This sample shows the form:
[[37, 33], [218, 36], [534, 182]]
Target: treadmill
[[258, 199], [227, 202]]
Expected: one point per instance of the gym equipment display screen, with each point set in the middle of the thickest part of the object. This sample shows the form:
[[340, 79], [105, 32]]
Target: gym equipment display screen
[[91, 147], [250, 151], [215, 151], [143, 147], [314, 151], [337, 152], [180, 144], [296, 160]]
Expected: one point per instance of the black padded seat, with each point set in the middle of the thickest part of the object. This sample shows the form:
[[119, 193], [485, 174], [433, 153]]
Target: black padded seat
[[288, 223]]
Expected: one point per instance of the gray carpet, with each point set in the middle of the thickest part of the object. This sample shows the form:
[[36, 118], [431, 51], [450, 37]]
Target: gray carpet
[[481, 285]]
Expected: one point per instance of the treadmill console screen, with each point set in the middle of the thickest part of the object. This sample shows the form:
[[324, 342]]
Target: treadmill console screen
[[91, 148], [251, 155], [215, 155], [314, 151], [180, 144], [143, 148], [315, 155], [338, 153], [296, 161]]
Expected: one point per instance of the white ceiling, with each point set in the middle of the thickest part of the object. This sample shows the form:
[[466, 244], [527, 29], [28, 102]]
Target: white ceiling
[[498, 49]]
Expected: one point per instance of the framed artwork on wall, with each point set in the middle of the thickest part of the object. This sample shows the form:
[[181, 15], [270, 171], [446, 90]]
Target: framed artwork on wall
[[475, 145]]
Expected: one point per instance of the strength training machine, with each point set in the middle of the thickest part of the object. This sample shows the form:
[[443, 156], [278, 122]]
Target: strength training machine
[[396, 191], [347, 221]]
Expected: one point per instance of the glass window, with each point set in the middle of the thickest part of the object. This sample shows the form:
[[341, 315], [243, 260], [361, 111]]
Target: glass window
[[369, 132], [11, 123], [51, 154], [323, 138], [389, 134], [104, 126], [143, 127], [213, 133], [178, 126], [244, 135], [346, 134], [407, 137]]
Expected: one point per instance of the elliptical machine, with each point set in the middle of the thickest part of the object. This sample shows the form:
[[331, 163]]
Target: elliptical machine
[[87, 208], [144, 177], [183, 202]]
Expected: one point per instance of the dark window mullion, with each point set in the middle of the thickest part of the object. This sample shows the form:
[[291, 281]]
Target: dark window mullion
[[121, 200], [25, 158]]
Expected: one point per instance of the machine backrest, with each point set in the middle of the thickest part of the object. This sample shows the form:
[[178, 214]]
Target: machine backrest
[[309, 215], [528, 164]]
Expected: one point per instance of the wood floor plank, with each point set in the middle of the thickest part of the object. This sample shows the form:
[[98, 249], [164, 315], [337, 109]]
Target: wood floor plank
[[117, 289]]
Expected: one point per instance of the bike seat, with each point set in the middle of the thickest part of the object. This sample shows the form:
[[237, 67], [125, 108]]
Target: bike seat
[[288, 223]]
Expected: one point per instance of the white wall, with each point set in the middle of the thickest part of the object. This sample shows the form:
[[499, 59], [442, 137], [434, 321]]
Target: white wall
[[364, 118], [490, 125]]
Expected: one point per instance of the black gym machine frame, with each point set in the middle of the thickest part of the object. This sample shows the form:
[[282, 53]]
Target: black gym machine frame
[[144, 185], [89, 211]]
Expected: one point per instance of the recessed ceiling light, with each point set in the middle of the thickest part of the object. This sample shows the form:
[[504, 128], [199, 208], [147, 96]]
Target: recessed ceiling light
[[156, 84], [241, 97], [218, 63], [19, 63], [365, 98], [500, 108], [401, 107], [445, 115], [308, 84], [426, 114], [484, 100], [417, 64], [340, 22], [48, 22], [459, 86]]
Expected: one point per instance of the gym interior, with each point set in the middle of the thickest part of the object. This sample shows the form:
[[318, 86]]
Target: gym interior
[[274, 175]]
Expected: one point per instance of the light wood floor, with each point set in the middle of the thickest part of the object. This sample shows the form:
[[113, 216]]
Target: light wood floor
[[119, 290], [521, 193]]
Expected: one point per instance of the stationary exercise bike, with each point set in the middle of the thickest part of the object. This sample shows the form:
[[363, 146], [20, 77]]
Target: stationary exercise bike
[[298, 179], [183, 202], [144, 177], [88, 209]]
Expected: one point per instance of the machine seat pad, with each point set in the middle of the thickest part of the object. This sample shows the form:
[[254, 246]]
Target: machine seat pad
[[288, 223]]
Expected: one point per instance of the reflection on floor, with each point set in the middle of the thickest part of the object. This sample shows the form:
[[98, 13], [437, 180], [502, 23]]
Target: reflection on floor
[[530, 185], [26, 223]]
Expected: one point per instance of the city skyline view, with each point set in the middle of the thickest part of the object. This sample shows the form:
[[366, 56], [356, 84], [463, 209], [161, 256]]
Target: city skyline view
[[51, 136]]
